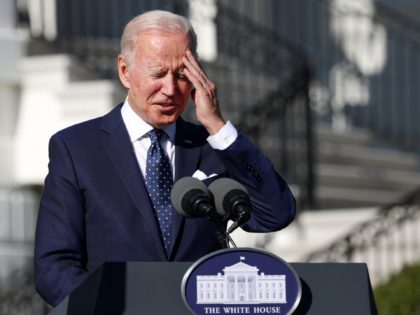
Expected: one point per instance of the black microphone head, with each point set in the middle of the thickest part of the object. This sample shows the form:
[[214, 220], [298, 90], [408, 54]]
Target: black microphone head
[[222, 189], [184, 192]]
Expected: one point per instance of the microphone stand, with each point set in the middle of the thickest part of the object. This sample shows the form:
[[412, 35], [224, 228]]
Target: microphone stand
[[222, 235], [202, 204], [221, 238]]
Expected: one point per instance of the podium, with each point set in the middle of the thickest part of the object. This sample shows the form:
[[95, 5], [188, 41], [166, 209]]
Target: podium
[[154, 288]]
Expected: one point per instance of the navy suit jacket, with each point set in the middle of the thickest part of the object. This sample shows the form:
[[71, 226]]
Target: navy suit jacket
[[95, 207]]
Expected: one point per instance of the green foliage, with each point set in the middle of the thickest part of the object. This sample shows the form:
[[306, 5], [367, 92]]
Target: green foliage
[[400, 295]]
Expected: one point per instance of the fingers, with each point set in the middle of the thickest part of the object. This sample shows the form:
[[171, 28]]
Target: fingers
[[193, 62], [197, 76]]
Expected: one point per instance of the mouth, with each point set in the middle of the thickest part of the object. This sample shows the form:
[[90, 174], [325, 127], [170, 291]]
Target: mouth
[[166, 104], [167, 108]]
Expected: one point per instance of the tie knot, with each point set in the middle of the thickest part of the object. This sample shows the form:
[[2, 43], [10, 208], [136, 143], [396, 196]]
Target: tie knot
[[155, 135]]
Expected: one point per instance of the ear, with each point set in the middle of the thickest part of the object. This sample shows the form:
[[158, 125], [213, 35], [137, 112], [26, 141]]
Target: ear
[[123, 72]]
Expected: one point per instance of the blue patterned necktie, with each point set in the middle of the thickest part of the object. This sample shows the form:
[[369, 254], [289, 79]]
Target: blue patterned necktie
[[159, 184]]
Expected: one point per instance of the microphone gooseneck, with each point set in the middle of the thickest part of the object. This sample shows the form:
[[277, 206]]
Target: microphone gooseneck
[[231, 200]]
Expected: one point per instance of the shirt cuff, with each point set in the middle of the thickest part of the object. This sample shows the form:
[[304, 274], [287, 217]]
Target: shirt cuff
[[224, 138]]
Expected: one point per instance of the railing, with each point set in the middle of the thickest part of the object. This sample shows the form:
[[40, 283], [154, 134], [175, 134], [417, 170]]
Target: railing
[[281, 124], [17, 216], [386, 243], [266, 94], [366, 61]]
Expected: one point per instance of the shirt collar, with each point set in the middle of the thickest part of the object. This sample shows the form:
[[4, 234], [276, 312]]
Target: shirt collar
[[138, 128]]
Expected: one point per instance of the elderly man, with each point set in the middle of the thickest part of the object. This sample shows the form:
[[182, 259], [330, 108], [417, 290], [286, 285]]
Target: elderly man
[[102, 199]]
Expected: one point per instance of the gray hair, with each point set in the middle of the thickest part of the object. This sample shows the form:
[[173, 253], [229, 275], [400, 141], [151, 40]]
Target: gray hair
[[156, 20]]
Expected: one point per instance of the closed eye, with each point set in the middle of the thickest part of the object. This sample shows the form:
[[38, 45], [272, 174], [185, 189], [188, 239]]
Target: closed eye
[[181, 76], [157, 75]]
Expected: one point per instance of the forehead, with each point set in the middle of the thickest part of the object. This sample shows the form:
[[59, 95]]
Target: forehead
[[161, 46]]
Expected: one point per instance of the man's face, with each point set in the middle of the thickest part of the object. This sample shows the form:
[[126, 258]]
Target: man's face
[[158, 90]]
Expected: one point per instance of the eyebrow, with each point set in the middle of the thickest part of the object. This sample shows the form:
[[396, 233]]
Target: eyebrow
[[158, 69]]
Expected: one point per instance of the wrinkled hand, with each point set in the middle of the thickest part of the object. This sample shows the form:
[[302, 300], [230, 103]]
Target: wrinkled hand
[[204, 95]]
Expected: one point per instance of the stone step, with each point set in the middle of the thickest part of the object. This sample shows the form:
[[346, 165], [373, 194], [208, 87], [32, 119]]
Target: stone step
[[366, 156], [353, 170], [329, 197], [355, 176], [356, 136]]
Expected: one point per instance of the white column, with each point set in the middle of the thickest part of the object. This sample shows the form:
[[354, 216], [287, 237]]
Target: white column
[[246, 288], [35, 15], [225, 288], [50, 19], [201, 15], [236, 288], [12, 43]]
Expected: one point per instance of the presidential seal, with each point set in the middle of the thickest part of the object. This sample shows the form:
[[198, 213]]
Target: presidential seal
[[241, 281]]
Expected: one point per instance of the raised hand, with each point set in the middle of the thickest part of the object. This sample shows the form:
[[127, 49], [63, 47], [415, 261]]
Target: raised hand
[[204, 95]]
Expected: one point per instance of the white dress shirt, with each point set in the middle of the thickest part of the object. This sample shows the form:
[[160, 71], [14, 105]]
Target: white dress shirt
[[137, 129]]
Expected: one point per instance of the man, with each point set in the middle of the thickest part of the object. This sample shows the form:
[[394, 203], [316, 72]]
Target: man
[[99, 204]]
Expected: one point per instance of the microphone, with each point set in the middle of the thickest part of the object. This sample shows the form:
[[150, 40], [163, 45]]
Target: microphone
[[191, 198], [232, 201]]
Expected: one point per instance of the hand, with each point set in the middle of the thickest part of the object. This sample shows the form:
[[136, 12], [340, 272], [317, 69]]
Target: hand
[[204, 95]]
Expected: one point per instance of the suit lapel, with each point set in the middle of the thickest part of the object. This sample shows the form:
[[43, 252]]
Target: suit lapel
[[118, 147], [188, 147]]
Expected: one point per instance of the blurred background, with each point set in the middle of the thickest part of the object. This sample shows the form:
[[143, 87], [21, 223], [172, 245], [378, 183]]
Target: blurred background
[[328, 89]]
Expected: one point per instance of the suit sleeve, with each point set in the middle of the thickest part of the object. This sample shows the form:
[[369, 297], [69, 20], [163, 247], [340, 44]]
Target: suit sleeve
[[273, 204], [60, 251]]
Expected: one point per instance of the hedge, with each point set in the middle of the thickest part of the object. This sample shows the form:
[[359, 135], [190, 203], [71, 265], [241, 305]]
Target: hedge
[[400, 295]]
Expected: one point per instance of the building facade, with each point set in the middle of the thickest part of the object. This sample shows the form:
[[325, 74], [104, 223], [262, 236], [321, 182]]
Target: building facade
[[241, 284]]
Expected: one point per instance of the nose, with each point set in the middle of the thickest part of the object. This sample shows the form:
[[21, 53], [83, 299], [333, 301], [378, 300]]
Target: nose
[[169, 85]]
